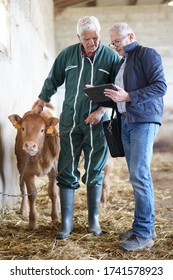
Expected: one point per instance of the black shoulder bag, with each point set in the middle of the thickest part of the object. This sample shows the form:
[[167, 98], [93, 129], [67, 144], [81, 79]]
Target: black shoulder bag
[[112, 131]]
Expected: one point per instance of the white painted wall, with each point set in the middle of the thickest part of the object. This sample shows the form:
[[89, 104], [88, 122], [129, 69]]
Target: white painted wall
[[23, 69]]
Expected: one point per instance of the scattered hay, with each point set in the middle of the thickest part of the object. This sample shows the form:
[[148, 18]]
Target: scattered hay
[[16, 242]]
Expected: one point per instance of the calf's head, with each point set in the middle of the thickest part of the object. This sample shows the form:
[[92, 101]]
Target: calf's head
[[32, 129]]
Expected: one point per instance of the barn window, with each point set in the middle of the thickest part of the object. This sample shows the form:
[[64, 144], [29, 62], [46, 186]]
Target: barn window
[[4, 28]]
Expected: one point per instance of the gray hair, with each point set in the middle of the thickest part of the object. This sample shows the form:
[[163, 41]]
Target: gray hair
[[122, 28], [88, 23]]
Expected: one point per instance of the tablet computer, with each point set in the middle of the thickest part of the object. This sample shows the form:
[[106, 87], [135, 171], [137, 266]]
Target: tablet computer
[[96, 93]]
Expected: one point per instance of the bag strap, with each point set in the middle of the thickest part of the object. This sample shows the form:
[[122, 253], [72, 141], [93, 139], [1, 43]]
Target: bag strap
[[115, 108]]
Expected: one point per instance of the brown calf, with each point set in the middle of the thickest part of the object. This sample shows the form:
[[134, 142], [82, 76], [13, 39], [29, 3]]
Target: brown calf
[[37, 151]]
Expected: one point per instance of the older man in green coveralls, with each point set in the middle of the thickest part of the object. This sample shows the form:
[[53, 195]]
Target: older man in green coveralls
[[87, 62]]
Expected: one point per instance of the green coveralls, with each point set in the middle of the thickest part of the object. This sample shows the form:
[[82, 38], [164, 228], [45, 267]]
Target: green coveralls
[[76, 71]]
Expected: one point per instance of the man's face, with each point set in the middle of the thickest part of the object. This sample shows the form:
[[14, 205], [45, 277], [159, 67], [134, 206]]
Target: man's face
[[119, 41], [90, 41]]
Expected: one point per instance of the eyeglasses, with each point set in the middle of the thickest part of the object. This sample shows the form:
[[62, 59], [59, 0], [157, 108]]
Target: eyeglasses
[[117, 43]]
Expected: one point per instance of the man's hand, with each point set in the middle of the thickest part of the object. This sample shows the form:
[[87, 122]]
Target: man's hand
[[117, 95], [95, 117], [38, 106]]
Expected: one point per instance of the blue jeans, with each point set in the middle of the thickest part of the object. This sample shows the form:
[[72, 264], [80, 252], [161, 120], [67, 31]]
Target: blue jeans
[[138, 140]]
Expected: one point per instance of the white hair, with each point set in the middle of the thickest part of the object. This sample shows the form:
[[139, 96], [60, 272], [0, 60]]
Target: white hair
[[122, 28], [88, 23]]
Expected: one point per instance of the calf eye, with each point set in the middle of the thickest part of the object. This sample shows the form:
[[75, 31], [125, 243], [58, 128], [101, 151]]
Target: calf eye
[[42, 130]]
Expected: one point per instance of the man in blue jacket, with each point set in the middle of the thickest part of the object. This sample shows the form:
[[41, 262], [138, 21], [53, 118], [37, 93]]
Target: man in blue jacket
[[140, 86], [87, 62]]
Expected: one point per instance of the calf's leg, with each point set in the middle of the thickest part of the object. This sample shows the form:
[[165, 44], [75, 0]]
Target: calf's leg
[[24, 210], [106, 180], [32, 195], [53, 194]]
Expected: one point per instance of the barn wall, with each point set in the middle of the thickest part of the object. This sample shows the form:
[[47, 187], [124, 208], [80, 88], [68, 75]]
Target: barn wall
[[153, 27], [27, 50]]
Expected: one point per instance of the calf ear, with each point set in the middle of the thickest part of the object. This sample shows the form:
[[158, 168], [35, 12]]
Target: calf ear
[[51, 123], [15, 120]]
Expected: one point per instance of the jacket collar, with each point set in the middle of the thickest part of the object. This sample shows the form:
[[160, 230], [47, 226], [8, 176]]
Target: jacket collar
[[130, 47]]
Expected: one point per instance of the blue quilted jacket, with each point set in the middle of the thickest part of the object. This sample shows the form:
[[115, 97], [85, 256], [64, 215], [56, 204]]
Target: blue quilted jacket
[[145, 82]]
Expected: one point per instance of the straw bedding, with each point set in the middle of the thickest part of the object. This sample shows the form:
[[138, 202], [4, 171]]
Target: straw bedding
[[16, 242]]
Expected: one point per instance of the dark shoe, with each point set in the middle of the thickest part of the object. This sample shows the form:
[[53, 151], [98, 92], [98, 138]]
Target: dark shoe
[[67, 209], [127, 234], [135, 243]]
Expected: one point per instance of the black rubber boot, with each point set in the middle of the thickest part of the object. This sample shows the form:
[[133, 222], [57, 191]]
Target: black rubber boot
[[67, 209], [93, 201]]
